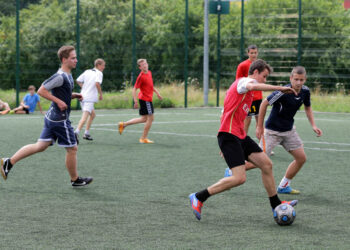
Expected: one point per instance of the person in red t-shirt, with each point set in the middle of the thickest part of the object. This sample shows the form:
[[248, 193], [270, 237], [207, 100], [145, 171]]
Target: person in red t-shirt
[[144, 82], [242, 71], [235, 145]]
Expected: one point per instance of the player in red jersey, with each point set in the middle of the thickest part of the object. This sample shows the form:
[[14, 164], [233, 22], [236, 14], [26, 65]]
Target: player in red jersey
[[234, 143], [242, 71], [144, 82]]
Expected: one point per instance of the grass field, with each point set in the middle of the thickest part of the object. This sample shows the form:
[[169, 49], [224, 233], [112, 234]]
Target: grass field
[[139, 197]]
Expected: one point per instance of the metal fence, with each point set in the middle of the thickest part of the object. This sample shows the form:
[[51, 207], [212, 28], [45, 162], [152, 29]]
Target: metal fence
[[296, 34]]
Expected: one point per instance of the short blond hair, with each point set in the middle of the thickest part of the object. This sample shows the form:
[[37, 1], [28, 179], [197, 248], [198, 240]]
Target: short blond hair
[[99, 61], [64, 51], [140, 61]]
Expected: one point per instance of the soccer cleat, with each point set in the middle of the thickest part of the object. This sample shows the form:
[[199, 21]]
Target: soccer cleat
[[4, 168], [11, 112], [146, 141], [121, 127], [81, 181], [196, 205], [228, 172], [76, 137], [293, 203], [87, 137], [287, 190]]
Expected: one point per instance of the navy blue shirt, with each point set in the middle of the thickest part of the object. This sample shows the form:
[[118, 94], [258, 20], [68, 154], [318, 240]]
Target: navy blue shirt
[[284, 108], [61, 85]]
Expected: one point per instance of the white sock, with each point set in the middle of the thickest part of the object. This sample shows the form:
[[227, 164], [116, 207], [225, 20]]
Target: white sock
[[87, 132], [285, 182], [77, 131]]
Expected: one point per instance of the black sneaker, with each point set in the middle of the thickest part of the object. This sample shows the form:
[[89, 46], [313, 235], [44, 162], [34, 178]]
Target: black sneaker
[[5, 170], [81, 181], [76, 137], [87, 137]]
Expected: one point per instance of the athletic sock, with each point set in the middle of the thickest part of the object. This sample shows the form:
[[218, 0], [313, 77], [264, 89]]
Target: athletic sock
[[77, 131], [9, 164], [274, 201], [87, 132], [203, 195], [285, 182]]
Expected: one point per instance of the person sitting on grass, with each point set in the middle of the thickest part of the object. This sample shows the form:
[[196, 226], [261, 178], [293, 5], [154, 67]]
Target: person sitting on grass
[[4, 106], [28, 103]]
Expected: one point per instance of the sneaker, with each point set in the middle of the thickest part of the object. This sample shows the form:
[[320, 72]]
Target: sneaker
[[11, 112], [228, 172], [293, 203], [76, 137], [146, 141], [196, 205], [287, 190], [4, 168], [81, 181], [87, 137], [121, 127]]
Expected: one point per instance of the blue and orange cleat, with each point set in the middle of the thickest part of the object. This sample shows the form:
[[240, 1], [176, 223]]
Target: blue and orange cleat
[[293, 203], [196, 205], [287, 190]]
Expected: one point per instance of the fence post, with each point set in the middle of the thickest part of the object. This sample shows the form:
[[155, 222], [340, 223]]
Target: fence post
[[242, 30], [186, 51], [299, 34], [77, 21], [133, 76], [206, 53], [17, 54], [219, 58]]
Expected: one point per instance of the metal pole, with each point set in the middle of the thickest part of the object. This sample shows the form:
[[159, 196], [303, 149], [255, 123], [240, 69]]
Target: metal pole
[[206, 53], [133, 76], [242, 30], [299, 35], [77, 21], [218, 55], [186, 51], [17, 54]]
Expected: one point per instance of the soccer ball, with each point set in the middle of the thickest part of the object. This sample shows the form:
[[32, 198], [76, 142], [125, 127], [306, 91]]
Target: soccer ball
[[284, 214]]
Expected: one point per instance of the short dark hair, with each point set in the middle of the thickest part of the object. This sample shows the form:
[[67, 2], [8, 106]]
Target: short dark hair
[[260, 65], [300, 70], [253, 46], [64, 51]]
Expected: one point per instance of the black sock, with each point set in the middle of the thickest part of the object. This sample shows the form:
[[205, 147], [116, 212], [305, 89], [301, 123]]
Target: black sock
[[203, 195], [274, 201], [9, 164]]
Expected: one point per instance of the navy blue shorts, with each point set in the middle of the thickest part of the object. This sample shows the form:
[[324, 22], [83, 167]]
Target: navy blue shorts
[[61, 131]]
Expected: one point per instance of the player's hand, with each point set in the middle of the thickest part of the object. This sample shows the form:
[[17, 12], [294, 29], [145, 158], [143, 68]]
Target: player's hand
[[76, 95], [259, 132], [317, 131], [62, 105], [288, 90], [100, 98], [160, 97], [222, 155], [136, 105]]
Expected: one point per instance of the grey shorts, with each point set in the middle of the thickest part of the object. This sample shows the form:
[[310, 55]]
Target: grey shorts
[[290, 140]]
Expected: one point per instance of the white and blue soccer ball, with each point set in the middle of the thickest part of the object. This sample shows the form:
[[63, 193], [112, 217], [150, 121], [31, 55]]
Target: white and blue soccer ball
[[284, 214]]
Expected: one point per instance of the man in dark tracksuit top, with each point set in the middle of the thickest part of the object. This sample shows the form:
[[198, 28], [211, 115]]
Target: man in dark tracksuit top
[[57, 126]]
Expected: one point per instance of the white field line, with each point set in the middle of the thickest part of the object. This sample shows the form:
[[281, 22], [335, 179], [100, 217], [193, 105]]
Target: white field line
[[214, 136]]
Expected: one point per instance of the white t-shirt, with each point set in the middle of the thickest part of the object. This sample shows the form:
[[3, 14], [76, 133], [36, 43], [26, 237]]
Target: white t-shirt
[[89, 79]]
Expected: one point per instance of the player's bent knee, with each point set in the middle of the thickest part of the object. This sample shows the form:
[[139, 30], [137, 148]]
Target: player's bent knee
[[72, 150]]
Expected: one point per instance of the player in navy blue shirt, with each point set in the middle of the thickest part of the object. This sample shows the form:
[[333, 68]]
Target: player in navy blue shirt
[[280, 129], [57, 126]]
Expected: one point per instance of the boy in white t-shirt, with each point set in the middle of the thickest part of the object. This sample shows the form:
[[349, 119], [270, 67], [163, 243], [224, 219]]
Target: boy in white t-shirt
[[90, 82]]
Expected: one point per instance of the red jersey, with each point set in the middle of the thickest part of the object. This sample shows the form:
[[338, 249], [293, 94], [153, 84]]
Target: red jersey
[[242, 71], [236, 107], [144, 82]]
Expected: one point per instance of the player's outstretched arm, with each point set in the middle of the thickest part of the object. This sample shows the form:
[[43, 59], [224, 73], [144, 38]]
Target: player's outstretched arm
[[47, 95], [158, 94], [268, 87], [310, 117], [262, 112]]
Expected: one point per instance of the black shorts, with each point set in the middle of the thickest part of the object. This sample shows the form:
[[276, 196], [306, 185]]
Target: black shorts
[[254, 109], [26, 110], [146, 108], [235, 150]]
